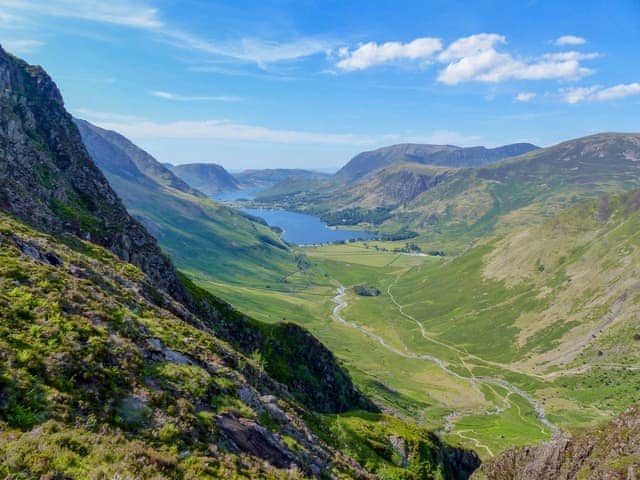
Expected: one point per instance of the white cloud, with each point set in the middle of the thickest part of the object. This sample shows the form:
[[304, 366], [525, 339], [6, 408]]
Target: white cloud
[[21, 46], [571, 55], [119, 12], [475, 58], [258, 51], [597, 93], [570, 40], [470, 46], [185, 98], [136, 128], [8, 20], [371, 54], [139, 15], [226, 130], [525, 97]]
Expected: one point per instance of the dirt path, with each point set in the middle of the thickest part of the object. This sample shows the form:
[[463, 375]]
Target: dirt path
[[340, 301]]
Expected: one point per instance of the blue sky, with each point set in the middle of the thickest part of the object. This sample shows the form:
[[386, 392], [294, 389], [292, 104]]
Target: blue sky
[[311, 83]]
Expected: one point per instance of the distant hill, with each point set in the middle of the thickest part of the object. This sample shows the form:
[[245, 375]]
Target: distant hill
[[439, 155], [410, 195], [544, 180], [209, 178], [116, 155], [272, 176]]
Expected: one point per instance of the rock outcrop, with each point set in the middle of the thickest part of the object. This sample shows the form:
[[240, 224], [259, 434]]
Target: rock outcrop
[[48, 179]]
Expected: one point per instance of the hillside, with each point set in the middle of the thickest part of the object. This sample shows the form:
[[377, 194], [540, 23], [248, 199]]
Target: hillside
[[118, 371], [525, 316], [96, 379], [209, 178], [481, 199], [203, 238], [464, 204], [437, 155]]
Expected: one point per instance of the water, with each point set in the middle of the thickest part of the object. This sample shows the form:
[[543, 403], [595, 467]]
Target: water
[[303, 229]]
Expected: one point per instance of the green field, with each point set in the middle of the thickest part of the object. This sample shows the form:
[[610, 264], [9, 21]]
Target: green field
[[486, 347]]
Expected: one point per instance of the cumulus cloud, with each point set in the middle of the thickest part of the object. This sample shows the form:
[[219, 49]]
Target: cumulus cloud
[[476, 58], [598, 93], [525, 97], [371, 54], [571, 55], [186, 98], [470, 46], [569, 40]]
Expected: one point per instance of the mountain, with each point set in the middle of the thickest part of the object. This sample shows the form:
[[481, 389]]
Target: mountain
[[114, 364], [610, 451], [483, 198], [206, 177], [204, 238], [272, 176], [439, 155], [48, 179], [134, 162]]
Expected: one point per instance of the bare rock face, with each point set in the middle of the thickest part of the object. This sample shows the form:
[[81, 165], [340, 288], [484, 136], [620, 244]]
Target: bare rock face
[[609, 452], [252, 438], [48, 179]]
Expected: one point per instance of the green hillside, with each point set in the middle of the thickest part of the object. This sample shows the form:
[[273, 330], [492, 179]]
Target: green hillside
[[99, 382], [540, 318], [202, 237], [209, 178]]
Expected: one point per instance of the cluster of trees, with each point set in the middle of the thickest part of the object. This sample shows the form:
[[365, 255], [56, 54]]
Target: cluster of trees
[[366, 291]]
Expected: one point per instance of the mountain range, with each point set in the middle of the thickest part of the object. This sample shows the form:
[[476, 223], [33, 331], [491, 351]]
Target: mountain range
[[437, 155]]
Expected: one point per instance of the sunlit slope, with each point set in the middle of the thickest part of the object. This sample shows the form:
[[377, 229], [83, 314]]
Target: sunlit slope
[[537, 324], [204, 238], [557, 302]]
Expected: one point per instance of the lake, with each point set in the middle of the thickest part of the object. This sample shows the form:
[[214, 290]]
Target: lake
[[303, 229]]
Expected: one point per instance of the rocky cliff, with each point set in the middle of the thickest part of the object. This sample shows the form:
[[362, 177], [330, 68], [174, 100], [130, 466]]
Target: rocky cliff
[[48, 179]]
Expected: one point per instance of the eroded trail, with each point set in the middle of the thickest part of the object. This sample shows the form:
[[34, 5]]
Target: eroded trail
[[540, 413], [340, 301]]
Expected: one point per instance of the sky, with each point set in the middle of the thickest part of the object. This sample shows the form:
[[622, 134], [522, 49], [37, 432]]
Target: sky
[[309, 84]]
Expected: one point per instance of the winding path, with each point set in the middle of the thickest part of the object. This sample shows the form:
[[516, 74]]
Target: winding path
[[341, 303]]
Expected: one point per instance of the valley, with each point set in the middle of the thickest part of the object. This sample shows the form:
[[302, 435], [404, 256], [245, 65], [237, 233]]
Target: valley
[[278, 241], [445, 342]]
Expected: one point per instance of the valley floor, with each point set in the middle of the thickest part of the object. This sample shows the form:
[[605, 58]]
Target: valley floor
[[401, 351]]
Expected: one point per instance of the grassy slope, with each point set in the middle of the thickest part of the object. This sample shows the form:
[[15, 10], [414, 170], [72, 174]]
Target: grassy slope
[[207, 239], [98, 382], [537, 295], [550, 308]]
